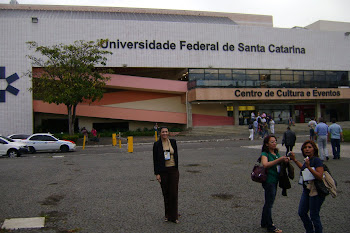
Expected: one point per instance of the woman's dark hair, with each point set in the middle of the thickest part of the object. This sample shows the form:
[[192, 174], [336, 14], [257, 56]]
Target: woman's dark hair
[[266, 141], [163, 127], [313, 144]]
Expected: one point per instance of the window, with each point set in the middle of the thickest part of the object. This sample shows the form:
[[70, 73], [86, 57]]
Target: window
[[36, 138], [47, 138], [267, 78], [211, 74], [309, 79], [225, 74], [2, 142], [195, 74]]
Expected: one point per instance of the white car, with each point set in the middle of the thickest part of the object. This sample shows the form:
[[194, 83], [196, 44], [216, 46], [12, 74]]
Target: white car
[[18, 137], [11, 148], [47, 142]]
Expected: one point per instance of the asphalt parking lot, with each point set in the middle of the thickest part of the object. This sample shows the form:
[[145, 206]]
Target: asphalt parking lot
[[106, 189]]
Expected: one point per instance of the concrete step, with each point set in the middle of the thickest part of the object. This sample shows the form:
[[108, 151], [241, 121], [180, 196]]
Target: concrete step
[[243, 129]]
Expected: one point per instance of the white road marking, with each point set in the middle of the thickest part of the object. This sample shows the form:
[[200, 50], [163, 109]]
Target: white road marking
[[18, 223]]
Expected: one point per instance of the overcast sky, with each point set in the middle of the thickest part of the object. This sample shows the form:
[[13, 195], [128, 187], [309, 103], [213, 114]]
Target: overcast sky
[[286, 13]]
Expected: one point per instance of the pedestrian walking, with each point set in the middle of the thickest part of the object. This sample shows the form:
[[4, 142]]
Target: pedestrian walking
[[252, 116], [256, 126], [335, 134], [289, 139], [321, 131], [271, 159], [251, 130], [272, 126], [310, 200], [165, 163], [312, 125], [264, 127]]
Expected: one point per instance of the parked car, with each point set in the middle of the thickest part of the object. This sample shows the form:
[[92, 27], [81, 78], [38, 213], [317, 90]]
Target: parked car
[[47, 142], [12, 148], [18, 137]]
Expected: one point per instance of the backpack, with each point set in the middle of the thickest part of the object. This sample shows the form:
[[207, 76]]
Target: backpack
[[327, 185]]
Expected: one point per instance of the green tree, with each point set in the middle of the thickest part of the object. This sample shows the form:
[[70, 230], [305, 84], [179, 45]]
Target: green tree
[[69, 75]]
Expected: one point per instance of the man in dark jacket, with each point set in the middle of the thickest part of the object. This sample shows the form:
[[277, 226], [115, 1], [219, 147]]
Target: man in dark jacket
[[289, 139]]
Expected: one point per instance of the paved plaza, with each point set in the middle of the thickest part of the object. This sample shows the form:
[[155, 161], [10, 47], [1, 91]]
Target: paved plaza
[[106, 189]]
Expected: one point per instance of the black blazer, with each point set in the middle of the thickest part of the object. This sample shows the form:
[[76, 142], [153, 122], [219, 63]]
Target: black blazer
[[158, 156]]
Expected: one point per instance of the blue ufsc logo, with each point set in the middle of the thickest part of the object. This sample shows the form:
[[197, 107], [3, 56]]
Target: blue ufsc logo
[[9, 88]]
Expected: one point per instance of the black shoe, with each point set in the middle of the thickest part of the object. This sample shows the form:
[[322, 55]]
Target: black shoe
[[327, 158], [284, 192]]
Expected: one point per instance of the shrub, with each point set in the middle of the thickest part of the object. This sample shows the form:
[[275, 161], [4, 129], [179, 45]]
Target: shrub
[[73, 138], [66, 136], [346, 134], [175, 129]]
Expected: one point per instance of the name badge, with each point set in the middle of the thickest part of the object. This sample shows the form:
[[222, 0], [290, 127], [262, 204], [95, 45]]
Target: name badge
[[167, 155]]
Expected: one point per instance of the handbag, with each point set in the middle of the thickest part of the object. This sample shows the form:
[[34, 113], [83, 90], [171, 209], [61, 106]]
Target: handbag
[[321, 188], [327, 185], [259, 173]]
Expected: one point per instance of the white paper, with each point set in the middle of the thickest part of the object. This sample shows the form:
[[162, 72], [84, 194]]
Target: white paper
[[307, 175]]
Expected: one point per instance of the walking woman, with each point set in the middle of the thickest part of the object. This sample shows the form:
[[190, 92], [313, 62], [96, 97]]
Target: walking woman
[[270, 159], [165, 161], [310, 200]]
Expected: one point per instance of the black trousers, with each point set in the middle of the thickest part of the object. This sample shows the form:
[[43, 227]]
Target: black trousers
[[289, 148], [170, 186]]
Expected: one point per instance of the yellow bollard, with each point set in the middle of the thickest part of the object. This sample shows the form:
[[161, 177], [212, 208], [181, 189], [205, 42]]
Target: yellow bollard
[[120, 143], [84, 142], [130, 144], [155, 135], [114, 139]]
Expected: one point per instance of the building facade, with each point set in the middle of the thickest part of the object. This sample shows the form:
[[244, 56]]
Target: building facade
[[179, 68]]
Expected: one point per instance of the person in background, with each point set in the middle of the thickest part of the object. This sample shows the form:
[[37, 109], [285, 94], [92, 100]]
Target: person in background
[[94, 135], [264, 127], [310, 201], [256, 126], [272, 126], [85, 133], [321, 131], [290, 121], [280, 117], [251, 130], [335, 134], [252, 116], [268, 119], [270, 159], [165, 163], [289, 139], [155, 127], [258, 117], [312, 125]]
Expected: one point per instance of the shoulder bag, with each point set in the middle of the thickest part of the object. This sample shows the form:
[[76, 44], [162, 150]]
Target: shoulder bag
[[259, 173]]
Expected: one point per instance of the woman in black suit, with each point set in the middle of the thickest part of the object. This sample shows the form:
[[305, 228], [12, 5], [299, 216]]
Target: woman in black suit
[[165, 161]]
